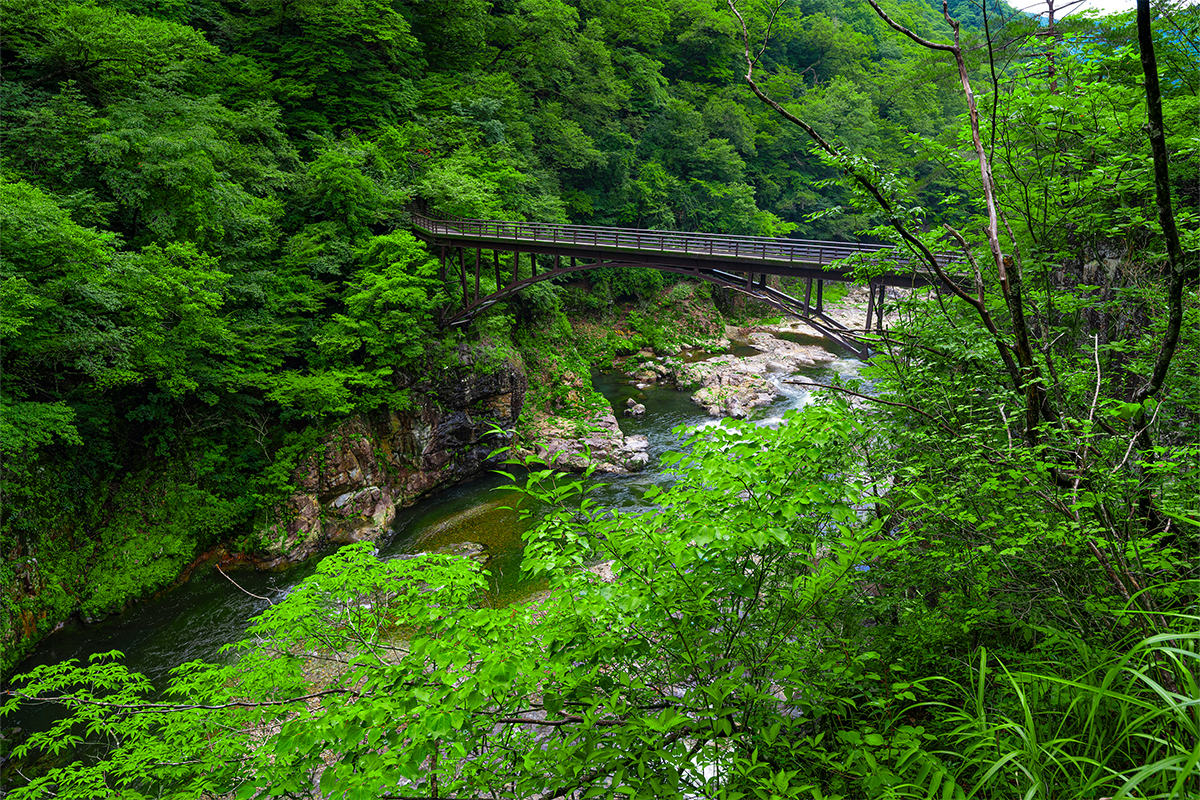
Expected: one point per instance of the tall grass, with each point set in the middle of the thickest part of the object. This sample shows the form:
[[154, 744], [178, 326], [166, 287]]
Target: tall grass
[[1085, 723]]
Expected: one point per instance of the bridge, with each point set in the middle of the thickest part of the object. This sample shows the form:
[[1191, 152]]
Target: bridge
[[741, 263]]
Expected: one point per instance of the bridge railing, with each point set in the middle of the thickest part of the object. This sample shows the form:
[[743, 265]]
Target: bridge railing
[[711, 244]]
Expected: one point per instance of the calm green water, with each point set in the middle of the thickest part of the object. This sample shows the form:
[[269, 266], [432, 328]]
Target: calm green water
[[194, 620]]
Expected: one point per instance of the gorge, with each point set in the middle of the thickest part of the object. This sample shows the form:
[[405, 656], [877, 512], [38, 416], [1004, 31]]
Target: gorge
[[462, 505], [968, 569]]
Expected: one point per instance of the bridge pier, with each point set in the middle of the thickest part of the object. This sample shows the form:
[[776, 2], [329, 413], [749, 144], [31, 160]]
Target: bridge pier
[[462, 275], [870, 305], [875, 307]]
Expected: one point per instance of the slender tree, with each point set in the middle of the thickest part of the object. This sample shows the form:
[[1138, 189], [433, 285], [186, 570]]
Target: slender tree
[[1014, 337]]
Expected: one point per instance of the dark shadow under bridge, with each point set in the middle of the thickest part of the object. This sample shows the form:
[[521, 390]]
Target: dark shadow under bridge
[[740, 263]]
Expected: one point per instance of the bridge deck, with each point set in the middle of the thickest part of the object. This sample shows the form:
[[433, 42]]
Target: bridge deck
[[703, 256], [758, 254]]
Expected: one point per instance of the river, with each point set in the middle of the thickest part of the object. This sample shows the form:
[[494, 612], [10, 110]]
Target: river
[[194, 620]]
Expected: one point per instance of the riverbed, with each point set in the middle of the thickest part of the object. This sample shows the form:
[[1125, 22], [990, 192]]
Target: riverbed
[[212, 609]]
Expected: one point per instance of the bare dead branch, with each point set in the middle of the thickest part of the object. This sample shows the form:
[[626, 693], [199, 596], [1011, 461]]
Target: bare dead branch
[[243, 591], [948, 48]]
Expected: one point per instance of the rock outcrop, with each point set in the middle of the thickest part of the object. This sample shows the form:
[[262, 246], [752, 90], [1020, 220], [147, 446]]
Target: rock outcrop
[[732, 386], [370, 465], [595, 441]]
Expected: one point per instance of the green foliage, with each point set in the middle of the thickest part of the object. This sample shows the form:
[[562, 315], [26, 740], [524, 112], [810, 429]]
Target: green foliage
[[334, 65], [726, 656], [143, 552], [559, 375], [202, 263], [618, 282], [473, 185], [274, 483], [389, 304], [1079, 725], [171, 299], [48, 264], [54, 136], [110, 53], [656, 675], [1075, 157], [69, 551], [495, 329], [343, 185], [25, 426], [349, 603]]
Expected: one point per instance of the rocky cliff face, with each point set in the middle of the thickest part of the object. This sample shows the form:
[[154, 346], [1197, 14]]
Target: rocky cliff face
[[370, 465]]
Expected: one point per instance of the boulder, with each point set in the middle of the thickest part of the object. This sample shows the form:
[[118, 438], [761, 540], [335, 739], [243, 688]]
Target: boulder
[[595, 442], [732, 387], [472, 550]]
